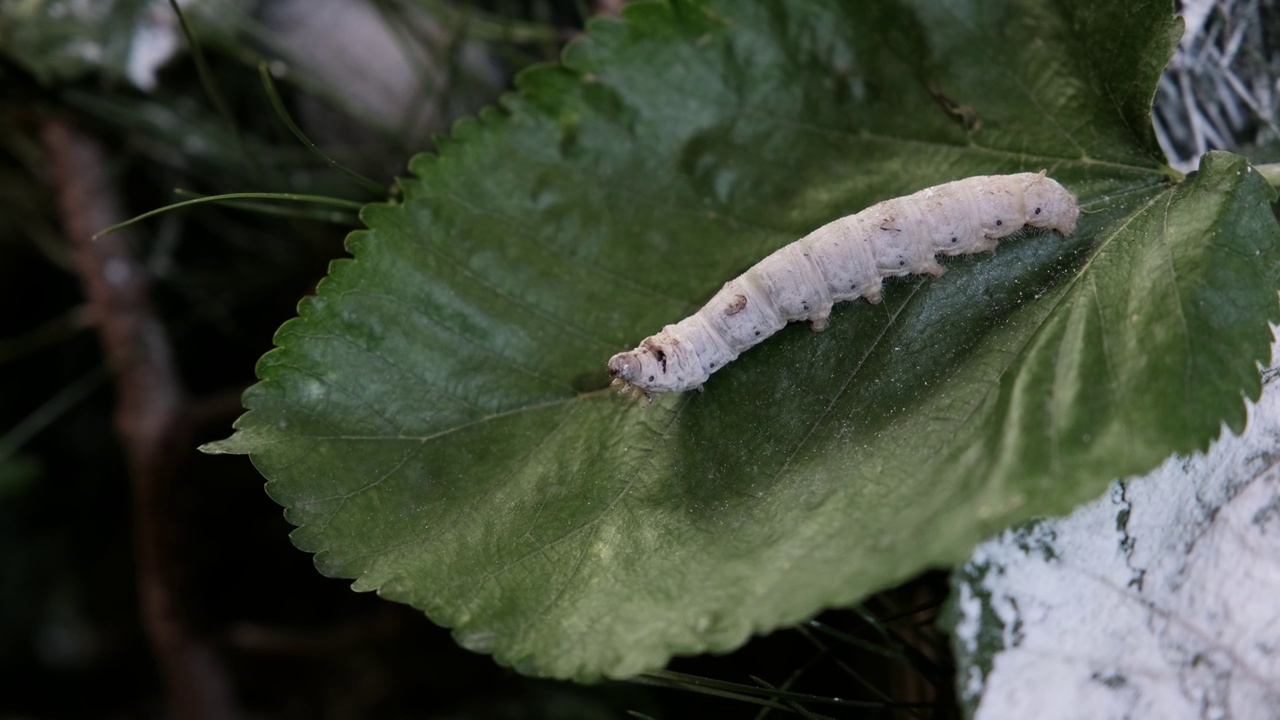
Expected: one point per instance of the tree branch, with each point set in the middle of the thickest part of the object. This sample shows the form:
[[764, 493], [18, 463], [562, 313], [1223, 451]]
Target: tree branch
[[152, 418]]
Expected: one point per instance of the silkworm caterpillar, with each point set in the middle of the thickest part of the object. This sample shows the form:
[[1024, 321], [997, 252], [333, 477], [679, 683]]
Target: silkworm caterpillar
[[843, 260]]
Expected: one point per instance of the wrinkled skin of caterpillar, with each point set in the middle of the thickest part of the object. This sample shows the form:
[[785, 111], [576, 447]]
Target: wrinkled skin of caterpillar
[[843, 260]]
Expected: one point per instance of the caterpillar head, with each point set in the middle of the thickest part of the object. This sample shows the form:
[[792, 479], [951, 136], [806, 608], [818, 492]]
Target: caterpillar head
[[643, 369], [663, 363], [1049, 205]]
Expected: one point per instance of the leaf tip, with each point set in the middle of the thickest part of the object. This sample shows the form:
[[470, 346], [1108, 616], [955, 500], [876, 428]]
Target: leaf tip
[[227, 446]]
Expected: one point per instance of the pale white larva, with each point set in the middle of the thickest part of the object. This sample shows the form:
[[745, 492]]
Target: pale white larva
[[843, 260]]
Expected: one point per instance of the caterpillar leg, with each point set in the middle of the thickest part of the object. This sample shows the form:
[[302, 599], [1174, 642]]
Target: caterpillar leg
[[933, 267], [872, 291], [818, 318]]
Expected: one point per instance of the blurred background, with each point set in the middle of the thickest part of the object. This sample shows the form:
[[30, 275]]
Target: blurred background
[[141, 579]]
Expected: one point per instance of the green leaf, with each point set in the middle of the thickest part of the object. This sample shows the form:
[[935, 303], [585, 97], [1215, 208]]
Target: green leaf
[[436, 423]]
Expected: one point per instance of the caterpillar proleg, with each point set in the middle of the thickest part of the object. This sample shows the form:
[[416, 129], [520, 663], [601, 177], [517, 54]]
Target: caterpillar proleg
[[845, 259]]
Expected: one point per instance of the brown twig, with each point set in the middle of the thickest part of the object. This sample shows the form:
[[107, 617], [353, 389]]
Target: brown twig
[[607, 7], [152, 415]]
